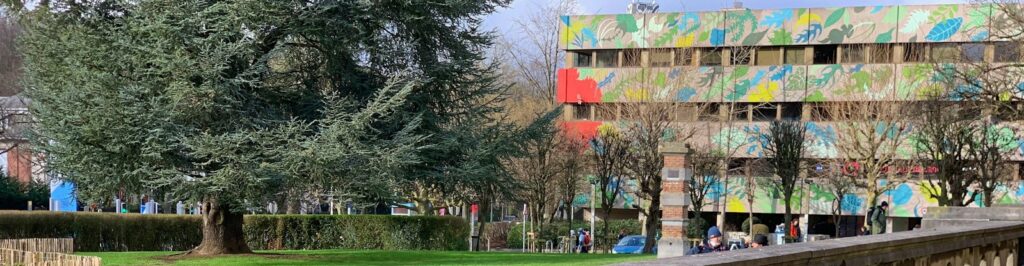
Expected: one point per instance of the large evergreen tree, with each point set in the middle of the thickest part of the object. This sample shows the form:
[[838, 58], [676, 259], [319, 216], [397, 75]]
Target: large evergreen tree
[[230, 102]]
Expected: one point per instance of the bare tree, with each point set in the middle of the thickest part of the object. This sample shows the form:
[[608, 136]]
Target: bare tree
[[704, 163], [944, 131], [608, 156], [10, 59], [573, 165], [869, 134], [538, 168], [992, 147], [534, 53], [836, 183], [784, 148]]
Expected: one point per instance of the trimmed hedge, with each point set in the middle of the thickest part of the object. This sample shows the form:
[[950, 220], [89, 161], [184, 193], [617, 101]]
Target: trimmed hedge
[[106, 231], [136, 232], [356, 232]]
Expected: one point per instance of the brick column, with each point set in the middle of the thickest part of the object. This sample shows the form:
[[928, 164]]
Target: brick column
[[674, 205]]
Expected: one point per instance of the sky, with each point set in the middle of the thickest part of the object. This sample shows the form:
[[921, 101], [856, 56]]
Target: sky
[[500, 20]]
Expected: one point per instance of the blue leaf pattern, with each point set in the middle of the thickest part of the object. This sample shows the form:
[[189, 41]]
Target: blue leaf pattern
[[781, 74], [944, 30], [685, 94], [980, 36], [778, 18], [606, 80], [717, 37], [808, 34], [877, 9]]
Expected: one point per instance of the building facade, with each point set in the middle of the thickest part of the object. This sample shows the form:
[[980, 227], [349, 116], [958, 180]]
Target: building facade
[[750, 67]]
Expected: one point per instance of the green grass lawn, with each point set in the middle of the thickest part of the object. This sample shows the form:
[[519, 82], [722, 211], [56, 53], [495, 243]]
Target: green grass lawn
[[367, 257]]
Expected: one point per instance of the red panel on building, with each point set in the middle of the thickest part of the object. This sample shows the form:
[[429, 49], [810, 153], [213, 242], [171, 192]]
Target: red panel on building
[[582, 130], [573, 90]]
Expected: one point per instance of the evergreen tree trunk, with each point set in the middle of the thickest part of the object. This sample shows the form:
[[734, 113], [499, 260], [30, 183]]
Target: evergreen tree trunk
[[222, 230]]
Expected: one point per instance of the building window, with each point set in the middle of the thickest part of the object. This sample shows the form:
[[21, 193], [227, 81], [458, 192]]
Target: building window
[[632, 58], [740, 56], [792, 111], [974, 52], [825, 54], [583, 59], [794, 55], [915, 52], [945, 53], [741, 111], [1007, 52], [881, 54], [661, 58], [685, 113], [854, 54], [607, 58], [684, 57], [606, 112], [711, 57], [581, 111], [709, 112], [767, 56], [763, 112], [820, 112]]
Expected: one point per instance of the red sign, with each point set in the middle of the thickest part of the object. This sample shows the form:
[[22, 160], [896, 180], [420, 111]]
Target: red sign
[[474, 208]]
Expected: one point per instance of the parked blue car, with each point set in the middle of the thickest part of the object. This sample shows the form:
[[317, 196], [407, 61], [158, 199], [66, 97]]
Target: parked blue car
[[633, 244]]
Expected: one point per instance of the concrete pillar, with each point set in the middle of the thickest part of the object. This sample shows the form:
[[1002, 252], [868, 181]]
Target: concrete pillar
[[674, 205]]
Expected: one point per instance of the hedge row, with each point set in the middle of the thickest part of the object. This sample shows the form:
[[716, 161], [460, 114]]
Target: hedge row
[[106, 231], [356, 232], [136, 232]]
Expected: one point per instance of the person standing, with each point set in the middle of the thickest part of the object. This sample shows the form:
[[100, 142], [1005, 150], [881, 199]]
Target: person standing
[[794, 229], [622, 233], [878, 219]]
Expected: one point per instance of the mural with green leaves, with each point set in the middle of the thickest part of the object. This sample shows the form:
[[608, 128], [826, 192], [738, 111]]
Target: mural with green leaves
[[796, 26]]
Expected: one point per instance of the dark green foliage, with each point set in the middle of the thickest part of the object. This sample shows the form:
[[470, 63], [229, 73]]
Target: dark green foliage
[[136, 232], [105, 231], [15, 196], [746, 224], [554, 231], [356, 232], [696, 227]]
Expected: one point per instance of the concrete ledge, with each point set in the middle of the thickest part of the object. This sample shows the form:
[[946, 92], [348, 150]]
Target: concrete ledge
[[864, 250]]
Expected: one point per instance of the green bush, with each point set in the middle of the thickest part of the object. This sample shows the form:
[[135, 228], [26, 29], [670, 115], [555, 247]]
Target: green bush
[[746, 224], [696, 227], [356, 232], [136, 232], [553, 231], [105, 231]]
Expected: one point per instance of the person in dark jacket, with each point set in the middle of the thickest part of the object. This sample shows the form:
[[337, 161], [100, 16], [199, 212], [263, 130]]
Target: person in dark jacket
[[714, 243], [878, 219]]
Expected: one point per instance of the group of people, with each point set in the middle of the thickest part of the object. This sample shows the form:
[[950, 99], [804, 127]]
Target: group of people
[[714, 242], [875, 224], [584, 241]]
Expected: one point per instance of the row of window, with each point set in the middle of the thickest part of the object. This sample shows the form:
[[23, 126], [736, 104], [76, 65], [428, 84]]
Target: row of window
[[763, 112], [801, 55]]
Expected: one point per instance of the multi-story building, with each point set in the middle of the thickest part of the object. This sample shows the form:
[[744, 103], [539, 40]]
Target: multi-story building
[[753, 66]]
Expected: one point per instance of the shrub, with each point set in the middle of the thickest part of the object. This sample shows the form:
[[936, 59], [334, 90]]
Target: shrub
[[696, 228], [136, 232], [356, 232], [105, 231], [746, 224]]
